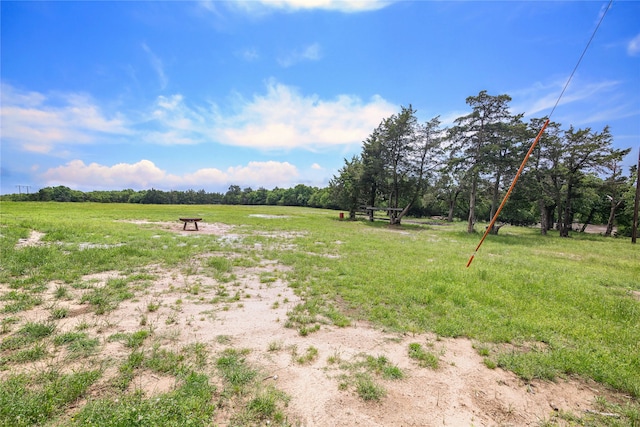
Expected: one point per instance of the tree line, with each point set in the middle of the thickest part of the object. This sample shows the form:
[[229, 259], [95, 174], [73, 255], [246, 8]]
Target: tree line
[[300, 195], [463, 171], [457, 172]]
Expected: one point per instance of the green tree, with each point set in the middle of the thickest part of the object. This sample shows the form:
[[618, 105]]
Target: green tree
[[347, 187], [583, 151], [615, 185], [474, 138]]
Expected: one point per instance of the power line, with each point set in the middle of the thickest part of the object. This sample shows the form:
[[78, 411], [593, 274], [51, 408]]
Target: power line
[[581, 56], [515, 179]]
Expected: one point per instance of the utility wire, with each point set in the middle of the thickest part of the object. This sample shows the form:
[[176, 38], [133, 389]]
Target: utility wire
[[581, 56], [546, 123]]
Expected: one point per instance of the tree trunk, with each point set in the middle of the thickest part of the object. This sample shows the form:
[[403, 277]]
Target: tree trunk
[[452, 204], [592, 212], [544, 221], [550, 210], [566, 222], [612, 217], [472, 205], [494, 199], [559, 216]]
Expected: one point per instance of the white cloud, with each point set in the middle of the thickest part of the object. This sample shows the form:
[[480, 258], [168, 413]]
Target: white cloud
[[633, 48], [145, 174], [308, 53], [157, 65], [283, 119], [345, 6], [76, 173], [316, 166], [39, 123]]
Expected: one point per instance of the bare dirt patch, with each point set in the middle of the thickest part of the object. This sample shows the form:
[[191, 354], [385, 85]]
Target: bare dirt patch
[[34, 239], [250, 312], [177, 227]]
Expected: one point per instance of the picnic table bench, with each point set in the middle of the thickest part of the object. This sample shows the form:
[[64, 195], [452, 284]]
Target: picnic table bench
[[370, 210], [193, 220]]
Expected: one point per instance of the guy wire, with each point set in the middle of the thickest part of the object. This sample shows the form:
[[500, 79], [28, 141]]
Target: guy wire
[[515, 179]]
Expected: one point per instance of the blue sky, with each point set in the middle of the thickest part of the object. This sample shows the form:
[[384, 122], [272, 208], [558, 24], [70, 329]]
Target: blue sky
[[203, 95]]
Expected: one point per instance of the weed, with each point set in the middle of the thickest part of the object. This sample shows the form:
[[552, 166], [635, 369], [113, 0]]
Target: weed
[[59, 313], [136, 339], [367, 388], [304, 330], [153, 306], [309, 356], [5, 324], [334, 358], [263, 408], [223, 339], [274, 346], [424, 358], [233, 368], [62, 292], [489, 363], [107, 297]]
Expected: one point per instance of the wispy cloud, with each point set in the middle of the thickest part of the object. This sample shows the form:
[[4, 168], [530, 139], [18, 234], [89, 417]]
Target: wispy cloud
[[145, 174], [344, 6], [280, 119], [250, 54], [582, 98], [311, 52], [157, 65], [39, 123], [633, 48]]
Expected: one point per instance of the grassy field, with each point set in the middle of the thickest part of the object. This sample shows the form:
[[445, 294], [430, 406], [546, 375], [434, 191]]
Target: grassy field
[[542, 307]]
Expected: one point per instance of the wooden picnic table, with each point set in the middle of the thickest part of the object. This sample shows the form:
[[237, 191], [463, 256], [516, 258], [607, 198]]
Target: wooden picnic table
[[369, 210], [193, 220]]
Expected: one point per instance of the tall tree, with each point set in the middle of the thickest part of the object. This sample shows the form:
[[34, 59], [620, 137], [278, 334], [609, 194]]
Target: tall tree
[[583, 151], [545, 165], [473, 137]]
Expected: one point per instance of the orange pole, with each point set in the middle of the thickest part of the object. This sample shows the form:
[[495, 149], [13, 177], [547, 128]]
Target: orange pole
[[504, 200]]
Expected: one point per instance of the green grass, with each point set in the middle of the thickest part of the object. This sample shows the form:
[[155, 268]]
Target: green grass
[[423, 357], [29, 333], [190, 404], [107, 297], [368, 389], [77, 343], [27, 400], [235, 370], [542, 307]]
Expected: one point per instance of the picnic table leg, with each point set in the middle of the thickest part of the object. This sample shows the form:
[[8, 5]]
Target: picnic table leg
[[196, 224], [184, 227]]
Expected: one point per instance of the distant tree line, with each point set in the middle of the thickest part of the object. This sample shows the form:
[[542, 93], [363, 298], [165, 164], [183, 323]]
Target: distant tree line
[[461, 172], [300, 195]]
